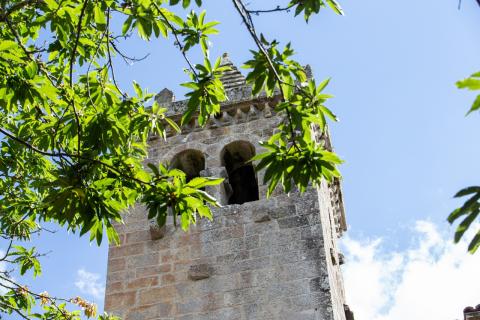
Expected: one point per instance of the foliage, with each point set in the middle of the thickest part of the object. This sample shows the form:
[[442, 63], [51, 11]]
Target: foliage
[[264, 77], [207, 92], [300, 158], [471, 83], [73, 143], [470, 210], [309, 7], [174, 192]]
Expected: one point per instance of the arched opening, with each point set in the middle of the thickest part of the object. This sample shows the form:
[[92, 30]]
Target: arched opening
[[241, 174], [189, 161]]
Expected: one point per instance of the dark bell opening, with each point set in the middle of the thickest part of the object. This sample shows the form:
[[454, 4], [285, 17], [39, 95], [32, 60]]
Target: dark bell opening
[[189, 161], [241, 174]]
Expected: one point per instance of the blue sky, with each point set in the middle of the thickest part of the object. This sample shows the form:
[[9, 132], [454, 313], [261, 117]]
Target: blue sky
[[403, 133]]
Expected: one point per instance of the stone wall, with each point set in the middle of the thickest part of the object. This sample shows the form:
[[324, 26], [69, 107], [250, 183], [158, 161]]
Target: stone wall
[[259, 260], [273, 258]]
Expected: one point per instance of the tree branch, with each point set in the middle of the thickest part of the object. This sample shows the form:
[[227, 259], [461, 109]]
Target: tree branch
[[247, 20], [8, 251], [110, 56], [72, 62], [128, 60], [180, 45], [64, 154], [277, 9], [17, 6]]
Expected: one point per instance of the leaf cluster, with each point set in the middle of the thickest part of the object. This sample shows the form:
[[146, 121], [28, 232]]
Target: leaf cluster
[[468, 213], [178, 197], [471, 83], [267, 70], [470, 210], [207, 92], [294, 156], [310, 7]]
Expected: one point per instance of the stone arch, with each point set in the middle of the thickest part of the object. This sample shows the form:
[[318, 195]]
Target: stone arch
[[242, 179], [190, 161]]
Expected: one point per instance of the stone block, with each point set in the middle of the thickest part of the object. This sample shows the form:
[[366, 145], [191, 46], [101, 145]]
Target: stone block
[[119, 301], [156, 232], [262, 218], [126, 250], [319, 284], [115, 265], [199, 272], [293, 222], [143, 283], [156, 295], [142, 272], [114, 287]]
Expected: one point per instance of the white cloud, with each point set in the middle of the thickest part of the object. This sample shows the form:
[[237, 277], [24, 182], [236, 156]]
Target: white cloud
[[3, 267], [432, 279], [90, 283]]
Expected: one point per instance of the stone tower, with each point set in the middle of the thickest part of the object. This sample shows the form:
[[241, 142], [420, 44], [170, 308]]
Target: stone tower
[[259, 258]]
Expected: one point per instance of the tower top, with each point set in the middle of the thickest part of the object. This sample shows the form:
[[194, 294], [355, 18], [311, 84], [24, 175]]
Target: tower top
[[232, 78], [233, 81], [165, 97]]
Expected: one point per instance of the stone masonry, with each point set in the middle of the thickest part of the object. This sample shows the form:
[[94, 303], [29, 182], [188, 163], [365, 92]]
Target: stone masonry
[[274, 258]]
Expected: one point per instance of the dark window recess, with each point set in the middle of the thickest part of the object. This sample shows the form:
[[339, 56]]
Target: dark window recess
[[189, 161], [348, 312], [241, 174]]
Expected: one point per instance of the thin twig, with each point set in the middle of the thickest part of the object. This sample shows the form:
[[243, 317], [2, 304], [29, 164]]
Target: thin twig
[[180, 45], [72, 62], [277, 9], [8, 251], [247, 20], [110, 56], [127, 59]]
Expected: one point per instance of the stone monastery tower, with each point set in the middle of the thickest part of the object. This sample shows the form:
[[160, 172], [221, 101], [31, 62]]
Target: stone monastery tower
[[259, 258]]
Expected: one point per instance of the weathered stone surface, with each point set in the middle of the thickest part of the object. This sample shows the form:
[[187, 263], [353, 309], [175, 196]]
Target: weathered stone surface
[[156, 232], [263, 218], [199, 272], [273, 258]]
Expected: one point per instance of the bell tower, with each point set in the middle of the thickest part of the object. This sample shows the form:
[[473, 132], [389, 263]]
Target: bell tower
[[259, 258]]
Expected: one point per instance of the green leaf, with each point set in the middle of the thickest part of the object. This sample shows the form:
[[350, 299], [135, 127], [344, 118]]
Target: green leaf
[[475, 243], [467, 191], [475, 105], [99, 17], [472, 83], [138, 89], [335, 7], [465, 224], [201, 182], [127, 25], [6, 45], [173, 124], [31, 69]]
